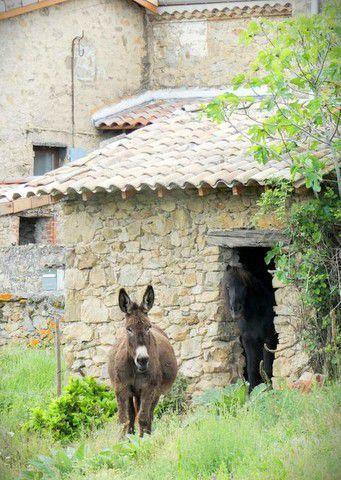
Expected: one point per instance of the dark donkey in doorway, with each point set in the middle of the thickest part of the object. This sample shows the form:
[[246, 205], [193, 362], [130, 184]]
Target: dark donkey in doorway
[[142, 364], [251, 303]]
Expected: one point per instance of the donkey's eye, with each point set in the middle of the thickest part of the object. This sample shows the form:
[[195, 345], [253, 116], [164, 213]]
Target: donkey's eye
[[129, 330]]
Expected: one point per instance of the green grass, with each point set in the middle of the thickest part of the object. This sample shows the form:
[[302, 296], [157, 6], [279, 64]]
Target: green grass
[[27, 379], [276, 436], [282, 435]]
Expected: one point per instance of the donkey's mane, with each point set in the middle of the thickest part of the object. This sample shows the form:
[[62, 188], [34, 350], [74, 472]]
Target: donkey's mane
[[245, 276]]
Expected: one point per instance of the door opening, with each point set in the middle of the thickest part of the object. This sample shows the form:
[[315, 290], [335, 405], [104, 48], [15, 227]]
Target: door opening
[[252, 260]]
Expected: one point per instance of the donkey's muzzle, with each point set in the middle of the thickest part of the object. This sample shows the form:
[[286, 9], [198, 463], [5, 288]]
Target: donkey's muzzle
[[142, 363]]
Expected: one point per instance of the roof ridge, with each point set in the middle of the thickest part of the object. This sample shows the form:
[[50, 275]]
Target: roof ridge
[[154, 95]]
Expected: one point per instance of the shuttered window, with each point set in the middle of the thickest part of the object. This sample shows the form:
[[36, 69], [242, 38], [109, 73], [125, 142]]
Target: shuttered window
[[47, 159]]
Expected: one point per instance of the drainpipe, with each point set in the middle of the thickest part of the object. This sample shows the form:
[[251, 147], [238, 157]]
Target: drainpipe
[[75, 40]]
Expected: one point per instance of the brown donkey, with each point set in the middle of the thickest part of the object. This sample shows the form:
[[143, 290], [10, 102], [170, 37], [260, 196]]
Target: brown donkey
[[142, 364]]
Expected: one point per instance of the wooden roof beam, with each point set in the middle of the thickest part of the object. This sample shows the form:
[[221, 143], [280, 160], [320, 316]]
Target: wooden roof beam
[[14, 12], [150, 5]]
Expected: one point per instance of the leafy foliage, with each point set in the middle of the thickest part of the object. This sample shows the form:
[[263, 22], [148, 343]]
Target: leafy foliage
[[253, 442], [175, 400], [294, 104], [226, 400], [85, 404], [55, 466], [294, 94], [310, 261]]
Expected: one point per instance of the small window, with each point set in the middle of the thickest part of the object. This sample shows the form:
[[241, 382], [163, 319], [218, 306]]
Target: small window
[[53, 280], [39, 230], [47, 159]]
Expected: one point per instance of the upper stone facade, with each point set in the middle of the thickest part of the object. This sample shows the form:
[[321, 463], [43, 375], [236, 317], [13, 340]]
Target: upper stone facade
[[119, 51], [36, 75]]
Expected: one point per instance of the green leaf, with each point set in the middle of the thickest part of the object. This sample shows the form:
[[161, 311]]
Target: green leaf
[[238, 80]]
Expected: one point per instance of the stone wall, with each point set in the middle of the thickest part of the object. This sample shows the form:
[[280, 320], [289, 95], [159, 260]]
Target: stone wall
[[291, 358], [35, 74], [9, 230], [22, 267], [48, 231], [114, 243], [198, 50], [29, 320], [26, 304]]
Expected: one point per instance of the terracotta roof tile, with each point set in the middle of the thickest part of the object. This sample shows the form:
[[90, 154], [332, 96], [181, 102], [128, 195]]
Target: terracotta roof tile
[[222, 10], [141, 115], [178, 151]]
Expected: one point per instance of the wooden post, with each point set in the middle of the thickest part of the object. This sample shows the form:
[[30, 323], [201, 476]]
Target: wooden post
[[127, 193], [160, 192], [58, 359], [237, 189], [204, 190]]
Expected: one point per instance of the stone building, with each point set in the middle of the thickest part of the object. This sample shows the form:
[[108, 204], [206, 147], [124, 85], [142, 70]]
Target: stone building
[[78, 75], [171, 204], [57, 65], [62, 60]]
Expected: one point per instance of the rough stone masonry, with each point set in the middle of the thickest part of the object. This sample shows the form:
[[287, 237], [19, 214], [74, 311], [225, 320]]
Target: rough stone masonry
[[146, 240]]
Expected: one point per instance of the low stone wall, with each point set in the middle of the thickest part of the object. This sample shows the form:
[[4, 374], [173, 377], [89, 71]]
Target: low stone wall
[[29, 320], [22, 267]]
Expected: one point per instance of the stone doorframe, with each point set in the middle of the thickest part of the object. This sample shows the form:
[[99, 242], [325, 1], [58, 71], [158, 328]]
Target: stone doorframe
[[291, 360]]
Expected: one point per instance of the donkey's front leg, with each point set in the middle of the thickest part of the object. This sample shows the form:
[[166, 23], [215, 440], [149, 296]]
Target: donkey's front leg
[[122, 396], [155, 402], [145, 412], [254, 354]]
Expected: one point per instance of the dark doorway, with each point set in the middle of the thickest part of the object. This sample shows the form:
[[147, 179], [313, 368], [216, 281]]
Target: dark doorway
[[253, 260]]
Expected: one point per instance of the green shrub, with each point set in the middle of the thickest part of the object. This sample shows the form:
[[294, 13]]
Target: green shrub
[[175, 399], [55, 466], [85, 404], [227, 399]]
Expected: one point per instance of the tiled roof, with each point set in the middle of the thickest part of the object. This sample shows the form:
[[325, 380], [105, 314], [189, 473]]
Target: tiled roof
[[222, 9], [181, 151], [149, 107], [140, 116]]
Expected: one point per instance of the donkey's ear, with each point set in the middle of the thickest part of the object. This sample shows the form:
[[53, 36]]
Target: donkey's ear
[[124, 301], [148, 299]]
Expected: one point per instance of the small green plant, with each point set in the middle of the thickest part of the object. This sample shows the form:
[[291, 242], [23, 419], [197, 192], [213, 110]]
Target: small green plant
[[175, 399], [85, 404], [56, 466], [225, 400], [276, 198]]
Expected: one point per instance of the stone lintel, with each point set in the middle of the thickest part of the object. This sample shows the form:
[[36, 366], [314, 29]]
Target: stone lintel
[[235, 238]]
